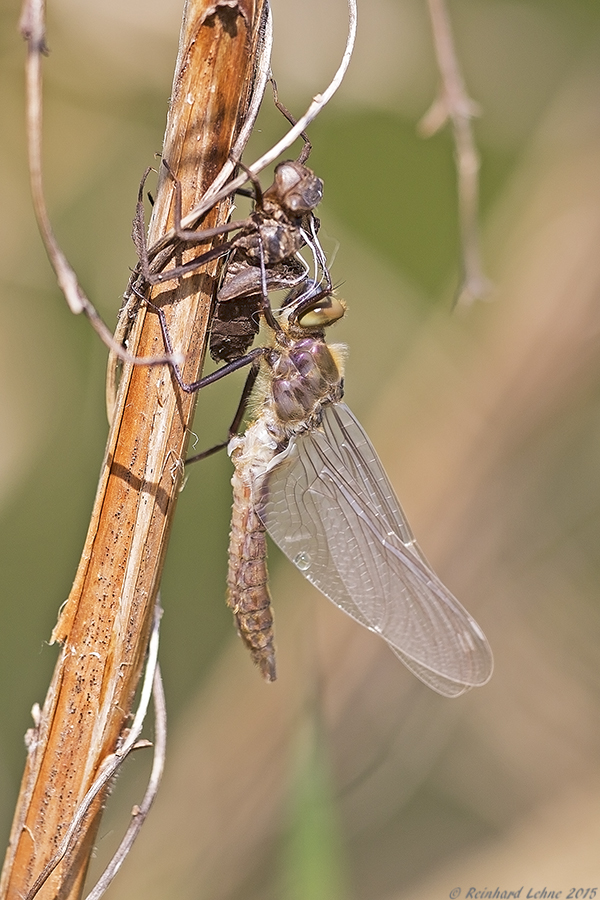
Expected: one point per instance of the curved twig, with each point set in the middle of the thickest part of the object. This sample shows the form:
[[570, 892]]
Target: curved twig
[[33, 29], [319, 102], [139, 813]]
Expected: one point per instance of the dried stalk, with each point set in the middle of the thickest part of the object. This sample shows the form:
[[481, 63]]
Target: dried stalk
[[152, 683], [454, 104], [105, 624]]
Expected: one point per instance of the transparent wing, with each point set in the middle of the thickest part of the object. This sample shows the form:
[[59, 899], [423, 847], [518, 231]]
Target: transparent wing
[[328, 504]]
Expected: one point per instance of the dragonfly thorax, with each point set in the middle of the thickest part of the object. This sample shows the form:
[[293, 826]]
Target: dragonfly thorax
[[304, 376], [273, 241]]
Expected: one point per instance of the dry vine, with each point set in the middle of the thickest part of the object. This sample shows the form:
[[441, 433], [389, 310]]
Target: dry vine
[[32, 27]]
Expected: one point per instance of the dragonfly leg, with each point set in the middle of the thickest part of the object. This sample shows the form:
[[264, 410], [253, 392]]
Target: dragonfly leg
[[190, 235], [266, 303], [258, 193], [193, 386], [152, 269], [305, 152], [237, 419]]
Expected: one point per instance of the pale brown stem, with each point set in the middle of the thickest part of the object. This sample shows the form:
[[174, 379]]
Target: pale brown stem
[[105, 624], [454, 104], [152, 685]]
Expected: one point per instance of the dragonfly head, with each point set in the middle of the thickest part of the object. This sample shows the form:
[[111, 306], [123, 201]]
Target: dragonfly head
[[310, 307]]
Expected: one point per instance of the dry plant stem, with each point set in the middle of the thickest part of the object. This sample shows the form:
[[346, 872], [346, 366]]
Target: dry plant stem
[[454, 104], [105, 624], [32, 26], [152, 685]]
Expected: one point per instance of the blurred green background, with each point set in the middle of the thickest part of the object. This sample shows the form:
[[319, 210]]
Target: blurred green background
[[347, 779]]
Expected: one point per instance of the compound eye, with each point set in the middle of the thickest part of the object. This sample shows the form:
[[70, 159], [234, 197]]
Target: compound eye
[[287, 175], [326, 311]]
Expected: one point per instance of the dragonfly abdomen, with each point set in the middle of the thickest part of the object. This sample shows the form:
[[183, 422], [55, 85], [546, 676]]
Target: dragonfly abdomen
[[247, 589]]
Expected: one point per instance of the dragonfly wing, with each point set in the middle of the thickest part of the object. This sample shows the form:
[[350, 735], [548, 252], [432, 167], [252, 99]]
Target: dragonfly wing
[[328, 504]]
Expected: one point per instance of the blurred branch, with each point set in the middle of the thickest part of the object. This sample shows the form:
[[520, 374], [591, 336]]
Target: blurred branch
[[105, 624], [454, 104]]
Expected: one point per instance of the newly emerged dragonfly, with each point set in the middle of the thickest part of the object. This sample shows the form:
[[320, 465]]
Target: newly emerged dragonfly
[[306, 473]]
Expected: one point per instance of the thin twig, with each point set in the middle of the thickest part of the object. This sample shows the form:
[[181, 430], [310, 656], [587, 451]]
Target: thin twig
[[213, 196], [454, 104], [33, 29]]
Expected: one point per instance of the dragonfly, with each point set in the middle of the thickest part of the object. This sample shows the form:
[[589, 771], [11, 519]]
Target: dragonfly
[[306, 473]]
